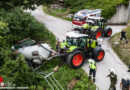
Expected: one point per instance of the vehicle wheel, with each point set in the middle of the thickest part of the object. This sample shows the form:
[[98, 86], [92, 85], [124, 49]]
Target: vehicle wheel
[[99, 33], [76, 59], [98, 54], [108, 32]]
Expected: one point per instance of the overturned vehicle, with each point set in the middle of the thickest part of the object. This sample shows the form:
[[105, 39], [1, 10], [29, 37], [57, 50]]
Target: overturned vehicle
[[34, 53]]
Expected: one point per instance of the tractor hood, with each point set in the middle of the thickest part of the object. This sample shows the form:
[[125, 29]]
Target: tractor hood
[[71, 48], [94, 27]]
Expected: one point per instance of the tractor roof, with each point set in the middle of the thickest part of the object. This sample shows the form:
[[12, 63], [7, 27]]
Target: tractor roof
[[75, 34]]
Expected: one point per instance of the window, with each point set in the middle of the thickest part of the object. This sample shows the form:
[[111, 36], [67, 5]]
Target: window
[[82, 41], [79, 18], [72, 41]]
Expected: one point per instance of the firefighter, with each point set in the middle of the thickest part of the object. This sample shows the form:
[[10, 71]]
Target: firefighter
[[113, 79], [123, 35], [93, 69], [125, 84]]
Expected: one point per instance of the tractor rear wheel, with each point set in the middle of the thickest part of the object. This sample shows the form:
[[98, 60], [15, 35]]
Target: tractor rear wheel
[[98, 54], [76, 59]]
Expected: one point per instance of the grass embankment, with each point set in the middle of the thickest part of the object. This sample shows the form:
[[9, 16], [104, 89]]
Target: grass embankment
[[57, 12], [122, 49], [108, 7], [16, 25]]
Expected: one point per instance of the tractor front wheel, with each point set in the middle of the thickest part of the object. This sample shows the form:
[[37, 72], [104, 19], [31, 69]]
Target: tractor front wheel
[[98, 54], [108, 32], [76, 59]]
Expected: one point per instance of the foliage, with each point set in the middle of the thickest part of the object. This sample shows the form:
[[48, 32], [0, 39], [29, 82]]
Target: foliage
[[22, 25], [16, 25], [57, 12], [17, 72], [84, 83], [108, 7], [31, 4], [122, 49]]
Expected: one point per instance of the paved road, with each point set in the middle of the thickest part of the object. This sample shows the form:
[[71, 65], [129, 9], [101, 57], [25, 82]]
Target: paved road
[[59, 27]]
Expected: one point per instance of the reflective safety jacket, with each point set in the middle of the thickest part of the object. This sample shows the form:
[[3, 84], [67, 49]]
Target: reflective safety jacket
[[85, 26], [92, 65]]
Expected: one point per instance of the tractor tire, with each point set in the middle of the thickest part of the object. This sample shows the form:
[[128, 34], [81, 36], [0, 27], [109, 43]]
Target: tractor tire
[[107, 32], [76, 59], [98, 54], [96, 33]]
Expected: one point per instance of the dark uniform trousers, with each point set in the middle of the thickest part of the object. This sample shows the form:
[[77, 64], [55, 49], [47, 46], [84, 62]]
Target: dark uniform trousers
[[92, 71]]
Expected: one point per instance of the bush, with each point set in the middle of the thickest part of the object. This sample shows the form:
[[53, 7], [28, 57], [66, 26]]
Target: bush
[[16, 25], [22, 25]]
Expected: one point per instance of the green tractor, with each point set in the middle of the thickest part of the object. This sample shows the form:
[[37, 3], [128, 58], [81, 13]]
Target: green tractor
[[79, 47], [96, 27]]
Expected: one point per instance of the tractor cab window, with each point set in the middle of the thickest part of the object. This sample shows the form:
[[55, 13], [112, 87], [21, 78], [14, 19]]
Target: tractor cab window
[[82, 41], [72, 41], [102, 23]]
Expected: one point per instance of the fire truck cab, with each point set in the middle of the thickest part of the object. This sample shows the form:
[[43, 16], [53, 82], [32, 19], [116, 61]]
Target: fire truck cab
[[82, 16]]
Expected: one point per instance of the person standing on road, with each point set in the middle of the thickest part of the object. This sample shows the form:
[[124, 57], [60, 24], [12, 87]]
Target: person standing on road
[[125, 84], [123, 35], [113, 79], [93, 69]]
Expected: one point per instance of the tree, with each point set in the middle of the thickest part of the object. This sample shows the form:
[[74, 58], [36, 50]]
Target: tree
[[31, 4]]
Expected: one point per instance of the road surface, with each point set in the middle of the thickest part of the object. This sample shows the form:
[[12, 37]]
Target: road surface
[[59, 27]]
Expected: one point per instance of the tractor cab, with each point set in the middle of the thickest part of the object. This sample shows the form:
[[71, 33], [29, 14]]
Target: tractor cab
[[98, 21], [96, 27], [80, 47], [76, 39]]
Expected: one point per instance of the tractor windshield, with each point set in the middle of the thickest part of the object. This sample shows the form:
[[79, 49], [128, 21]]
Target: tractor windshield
[[72, 41]]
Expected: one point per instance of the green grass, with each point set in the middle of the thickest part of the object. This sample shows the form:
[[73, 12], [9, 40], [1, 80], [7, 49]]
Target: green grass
[[61, 13], [122, 49], [65, 74]]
